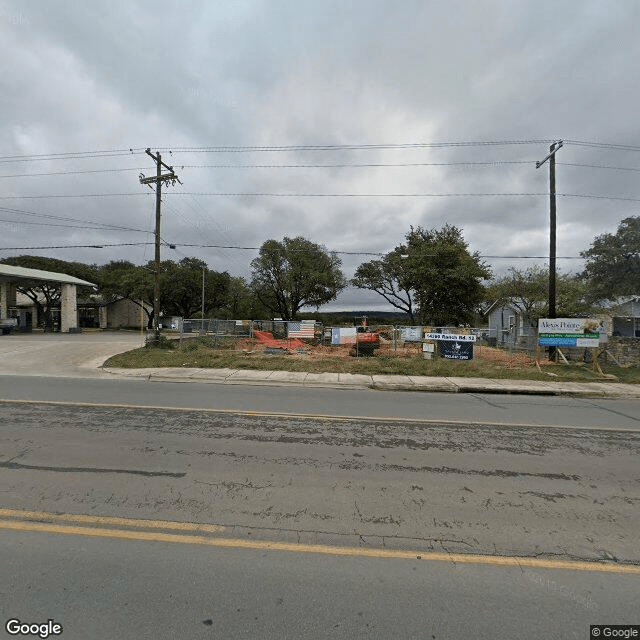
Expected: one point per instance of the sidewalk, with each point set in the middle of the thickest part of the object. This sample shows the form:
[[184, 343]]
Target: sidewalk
[[383, 382]]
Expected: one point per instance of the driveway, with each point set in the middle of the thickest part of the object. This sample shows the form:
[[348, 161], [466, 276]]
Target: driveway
[[63, 354]]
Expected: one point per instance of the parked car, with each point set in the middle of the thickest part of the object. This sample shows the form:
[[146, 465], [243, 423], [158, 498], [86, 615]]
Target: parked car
[[7, 325]]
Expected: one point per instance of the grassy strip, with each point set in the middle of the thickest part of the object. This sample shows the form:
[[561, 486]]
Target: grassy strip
[[198, 355]]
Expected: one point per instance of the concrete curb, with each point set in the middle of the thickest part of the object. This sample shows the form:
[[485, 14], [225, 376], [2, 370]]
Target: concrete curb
[[381, 383]]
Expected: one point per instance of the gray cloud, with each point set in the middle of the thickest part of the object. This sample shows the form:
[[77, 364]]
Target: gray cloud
[[94, 76]]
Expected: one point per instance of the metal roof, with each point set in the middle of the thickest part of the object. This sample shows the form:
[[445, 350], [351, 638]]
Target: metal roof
[[9, 273]]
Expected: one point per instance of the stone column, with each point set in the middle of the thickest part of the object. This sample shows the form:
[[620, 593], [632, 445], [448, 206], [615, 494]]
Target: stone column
[[68, 308], [7, 298], [3, 299], [102, 315]]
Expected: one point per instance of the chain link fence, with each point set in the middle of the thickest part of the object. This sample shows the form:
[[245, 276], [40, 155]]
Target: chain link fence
[[223, 334]]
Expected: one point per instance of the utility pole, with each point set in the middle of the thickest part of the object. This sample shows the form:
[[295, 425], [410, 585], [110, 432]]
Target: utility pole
[[158, 179], [202, 315], [551, 157]]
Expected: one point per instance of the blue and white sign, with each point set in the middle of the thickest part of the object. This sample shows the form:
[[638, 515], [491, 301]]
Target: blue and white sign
[[450, 336], [569, 332], [455, 350]]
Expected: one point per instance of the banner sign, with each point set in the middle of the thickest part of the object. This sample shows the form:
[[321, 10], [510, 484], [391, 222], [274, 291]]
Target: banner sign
[[450, 336], [411, 334], [304, 329], [343, 335], [456, 350], [569, 332]]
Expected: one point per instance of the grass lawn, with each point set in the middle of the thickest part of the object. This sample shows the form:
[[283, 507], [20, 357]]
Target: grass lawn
[[248, 354]]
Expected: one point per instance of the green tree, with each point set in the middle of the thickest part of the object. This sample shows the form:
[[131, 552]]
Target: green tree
[[181, 288], [242, 302], [432, 275], [294, 273], [613, 262], [572, 297], [527, 291], [389, 277], [122, 279], [46, 295]]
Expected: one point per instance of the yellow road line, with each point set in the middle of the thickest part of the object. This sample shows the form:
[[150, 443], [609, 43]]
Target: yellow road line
[[110, 520], [459, 558], [317, 416]]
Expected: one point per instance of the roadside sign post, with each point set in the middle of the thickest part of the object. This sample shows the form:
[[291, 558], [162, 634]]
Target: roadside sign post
[[571, 332], [453, 346]]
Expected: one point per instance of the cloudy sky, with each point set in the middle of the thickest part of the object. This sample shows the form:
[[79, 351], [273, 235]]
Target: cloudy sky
[[343, 121]]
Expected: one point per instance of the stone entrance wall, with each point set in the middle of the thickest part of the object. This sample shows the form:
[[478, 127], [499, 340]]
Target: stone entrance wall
[[625, 350]]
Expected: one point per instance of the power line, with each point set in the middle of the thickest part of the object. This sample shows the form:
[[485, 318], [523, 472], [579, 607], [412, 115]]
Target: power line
[[488, 163], [603, 145], [69, 219], [407, 195], [220, 246], [597, 166], [78, 246], [367, 253], [102, 153], [76, 195], [242, 248], [327, 195], [65, 155], [106, 153], [345, 165], [71, 226], [354, 195], [69, 173], [201, 213], [597, 197], [13, 159], [352, 164], [351, 147]]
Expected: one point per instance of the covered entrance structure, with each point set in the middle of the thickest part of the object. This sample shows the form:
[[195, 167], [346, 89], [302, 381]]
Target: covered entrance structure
[[11, 278]]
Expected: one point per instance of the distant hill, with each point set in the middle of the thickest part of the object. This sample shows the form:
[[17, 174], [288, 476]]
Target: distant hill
[[349, 317]]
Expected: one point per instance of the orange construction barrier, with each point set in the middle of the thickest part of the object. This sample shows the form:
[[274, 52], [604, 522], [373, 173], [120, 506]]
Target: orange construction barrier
[[267, 338]]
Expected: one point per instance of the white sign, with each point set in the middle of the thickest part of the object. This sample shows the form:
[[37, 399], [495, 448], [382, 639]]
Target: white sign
[[411, 334], [570, 332], [450, 336], [569, 325]]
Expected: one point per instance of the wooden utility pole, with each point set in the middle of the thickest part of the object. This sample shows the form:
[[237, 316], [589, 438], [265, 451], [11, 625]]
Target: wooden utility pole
[[202, 301], [158, 179], [552, 231]]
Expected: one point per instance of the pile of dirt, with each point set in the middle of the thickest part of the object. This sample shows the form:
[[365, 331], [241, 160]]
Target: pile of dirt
[[321, 351], [248, 345], [510, 359]]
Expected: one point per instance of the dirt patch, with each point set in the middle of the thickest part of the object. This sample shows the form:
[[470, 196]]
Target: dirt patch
[[508, 358], [514, 359]]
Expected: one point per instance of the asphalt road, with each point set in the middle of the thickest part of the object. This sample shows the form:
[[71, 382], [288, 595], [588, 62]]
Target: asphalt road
[[292, 490], [136, 509], [601, 413], [121, 590], [480, 489]]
